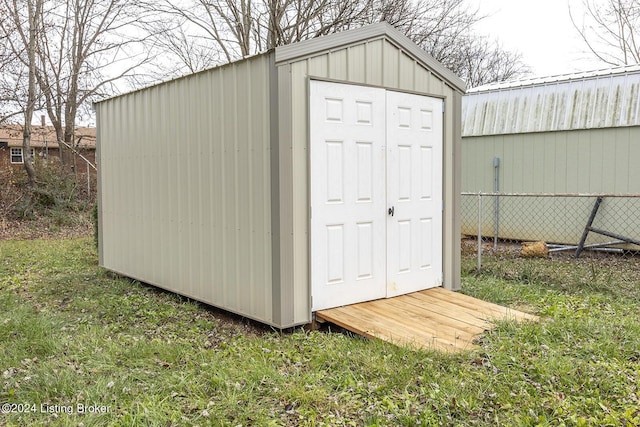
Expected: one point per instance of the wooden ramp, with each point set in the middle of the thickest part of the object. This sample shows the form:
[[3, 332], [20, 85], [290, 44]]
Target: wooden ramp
[[434, 319]]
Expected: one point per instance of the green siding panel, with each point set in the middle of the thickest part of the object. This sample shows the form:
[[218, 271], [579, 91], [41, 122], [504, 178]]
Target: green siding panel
[[597, 161], [582, 161]]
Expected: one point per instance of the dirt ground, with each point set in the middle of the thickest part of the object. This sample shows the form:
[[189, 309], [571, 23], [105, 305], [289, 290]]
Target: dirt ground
[[12, 229]]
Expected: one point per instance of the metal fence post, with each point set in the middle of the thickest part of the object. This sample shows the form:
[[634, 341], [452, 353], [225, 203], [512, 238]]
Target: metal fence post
[[479, 231], [88, 183], [496, 201]]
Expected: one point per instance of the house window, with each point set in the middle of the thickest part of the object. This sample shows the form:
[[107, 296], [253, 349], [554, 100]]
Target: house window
[[3, 144], [16, 154]]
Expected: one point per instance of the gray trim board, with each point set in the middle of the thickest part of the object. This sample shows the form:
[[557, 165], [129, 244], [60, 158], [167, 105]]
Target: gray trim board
[[409, 91], [99, 188], [276, 275], [283, 302], [456, 209]]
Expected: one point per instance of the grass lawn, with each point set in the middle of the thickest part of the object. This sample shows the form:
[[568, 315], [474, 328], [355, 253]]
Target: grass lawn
[[75, 338]]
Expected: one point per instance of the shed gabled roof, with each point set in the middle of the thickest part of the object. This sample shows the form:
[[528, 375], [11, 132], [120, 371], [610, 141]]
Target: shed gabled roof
[[594, 99], [312, 47]]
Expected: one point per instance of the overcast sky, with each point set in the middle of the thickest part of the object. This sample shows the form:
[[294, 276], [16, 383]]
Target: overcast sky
[[541, 30]]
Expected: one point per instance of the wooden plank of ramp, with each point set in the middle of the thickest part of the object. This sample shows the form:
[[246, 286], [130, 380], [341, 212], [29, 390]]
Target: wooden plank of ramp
[[433, 319]]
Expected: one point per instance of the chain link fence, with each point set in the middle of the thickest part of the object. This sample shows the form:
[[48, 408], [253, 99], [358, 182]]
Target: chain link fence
[[568, 224]]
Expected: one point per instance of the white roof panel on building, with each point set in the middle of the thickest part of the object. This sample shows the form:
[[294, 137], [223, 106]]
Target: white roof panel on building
[[598, 99]]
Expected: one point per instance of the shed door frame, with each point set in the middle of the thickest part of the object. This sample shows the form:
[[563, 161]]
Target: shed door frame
[[367, 191]]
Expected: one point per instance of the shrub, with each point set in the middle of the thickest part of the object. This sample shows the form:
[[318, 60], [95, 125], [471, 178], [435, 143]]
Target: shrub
[[56, 194]]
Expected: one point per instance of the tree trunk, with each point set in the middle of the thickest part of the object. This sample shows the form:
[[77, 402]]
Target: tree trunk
[[69, 138], [26, 154], [34, 10]]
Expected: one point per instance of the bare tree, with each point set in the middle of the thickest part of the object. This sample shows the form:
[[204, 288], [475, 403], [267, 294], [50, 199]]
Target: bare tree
[[439, 25], [84, 46], [191, 52], [445, 30], [20, 28], [206, 33], [12, 88], [73, 50], [7, 84], [34, 10], [6, 63], [482, 61], [245, 27], [611, 30]]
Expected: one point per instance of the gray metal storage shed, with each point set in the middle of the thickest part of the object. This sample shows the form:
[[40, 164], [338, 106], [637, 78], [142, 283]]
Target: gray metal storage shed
[[314, 175]]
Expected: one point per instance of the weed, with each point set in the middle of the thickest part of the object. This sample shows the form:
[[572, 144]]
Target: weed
[[55, 202]]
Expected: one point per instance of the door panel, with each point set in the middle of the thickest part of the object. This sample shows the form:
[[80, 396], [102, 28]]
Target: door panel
[[371, 150], [348, 218], [414, 190]]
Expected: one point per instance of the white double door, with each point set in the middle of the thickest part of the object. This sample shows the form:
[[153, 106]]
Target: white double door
[[376, 193]]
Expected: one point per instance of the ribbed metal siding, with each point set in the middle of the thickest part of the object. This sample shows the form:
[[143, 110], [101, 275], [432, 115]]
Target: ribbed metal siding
[[185, 186], [599, 101], [582, 161], [375, 62], [595, 161]]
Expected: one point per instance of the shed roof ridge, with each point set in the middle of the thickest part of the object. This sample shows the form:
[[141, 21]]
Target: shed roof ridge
[[556, 78], [591, 100]]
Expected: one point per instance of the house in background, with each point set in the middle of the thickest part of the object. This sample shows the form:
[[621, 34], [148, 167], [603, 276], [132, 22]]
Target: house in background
[[574, 133], [44, 145]]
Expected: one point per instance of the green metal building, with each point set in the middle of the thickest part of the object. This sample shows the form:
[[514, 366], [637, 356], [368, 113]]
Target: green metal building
[[569, 134]]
